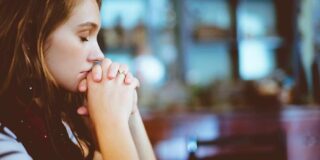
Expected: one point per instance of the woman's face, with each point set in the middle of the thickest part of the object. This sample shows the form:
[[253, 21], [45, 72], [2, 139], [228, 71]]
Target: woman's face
[[72, 48]]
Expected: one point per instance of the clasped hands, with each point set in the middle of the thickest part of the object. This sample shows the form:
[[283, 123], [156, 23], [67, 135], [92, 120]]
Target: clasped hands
[[110, 90]]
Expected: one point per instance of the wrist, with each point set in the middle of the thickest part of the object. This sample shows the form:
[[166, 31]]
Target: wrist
[[109, 120]]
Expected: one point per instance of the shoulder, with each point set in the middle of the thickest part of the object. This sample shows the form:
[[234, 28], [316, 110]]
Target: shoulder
[[10, 147]]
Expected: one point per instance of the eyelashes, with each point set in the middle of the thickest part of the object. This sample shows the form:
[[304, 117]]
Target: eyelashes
[[84, 39]]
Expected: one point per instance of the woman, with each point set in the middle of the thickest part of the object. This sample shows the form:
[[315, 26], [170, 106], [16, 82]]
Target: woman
[[48, 67]]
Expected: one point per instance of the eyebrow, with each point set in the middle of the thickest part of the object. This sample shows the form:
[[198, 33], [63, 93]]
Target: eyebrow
[[89, 24]]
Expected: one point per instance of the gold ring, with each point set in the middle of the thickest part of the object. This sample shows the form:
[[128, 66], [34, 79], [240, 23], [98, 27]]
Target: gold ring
[[122, 72]]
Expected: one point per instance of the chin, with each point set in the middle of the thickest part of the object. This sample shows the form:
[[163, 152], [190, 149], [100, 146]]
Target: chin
[[74, 88], [71, 88]]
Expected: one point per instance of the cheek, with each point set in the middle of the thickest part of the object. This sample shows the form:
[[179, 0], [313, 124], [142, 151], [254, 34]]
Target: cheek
[[64, 59], [62, 54]]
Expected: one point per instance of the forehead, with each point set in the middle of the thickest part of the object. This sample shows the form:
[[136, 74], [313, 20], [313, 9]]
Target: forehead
[[84, 11]]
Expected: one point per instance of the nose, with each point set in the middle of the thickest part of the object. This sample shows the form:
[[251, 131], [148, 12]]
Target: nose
[[96, 55]]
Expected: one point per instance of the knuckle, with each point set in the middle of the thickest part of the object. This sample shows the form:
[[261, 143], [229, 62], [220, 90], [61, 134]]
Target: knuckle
[[124, 65], [106, 62], [114, 67], [115, 64]]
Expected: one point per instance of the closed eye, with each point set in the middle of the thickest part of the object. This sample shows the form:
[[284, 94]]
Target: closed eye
[[84, 39]]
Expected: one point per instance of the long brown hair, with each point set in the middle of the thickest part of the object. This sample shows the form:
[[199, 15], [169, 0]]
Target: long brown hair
[[24, 28]]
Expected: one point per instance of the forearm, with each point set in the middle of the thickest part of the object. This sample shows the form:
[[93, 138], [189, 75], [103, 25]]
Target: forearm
[[140, 137], [115, 140]]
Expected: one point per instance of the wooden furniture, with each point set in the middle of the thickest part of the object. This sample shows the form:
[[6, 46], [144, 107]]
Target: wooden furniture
[[292, 134], [248, 136]]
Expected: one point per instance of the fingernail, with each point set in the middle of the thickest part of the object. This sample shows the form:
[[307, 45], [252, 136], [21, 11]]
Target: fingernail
[[97, 76]]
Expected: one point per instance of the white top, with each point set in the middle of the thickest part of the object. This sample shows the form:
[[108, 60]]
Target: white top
[[12, 149]]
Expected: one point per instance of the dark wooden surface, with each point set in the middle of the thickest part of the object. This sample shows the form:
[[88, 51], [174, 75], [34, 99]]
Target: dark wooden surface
[[170, 133]]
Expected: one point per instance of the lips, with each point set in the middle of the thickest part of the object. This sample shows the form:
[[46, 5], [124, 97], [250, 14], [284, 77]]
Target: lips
[[86, 71], [83, 74]]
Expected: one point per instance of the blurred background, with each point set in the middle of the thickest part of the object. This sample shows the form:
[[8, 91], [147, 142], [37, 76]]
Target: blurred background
[[222, 79]]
